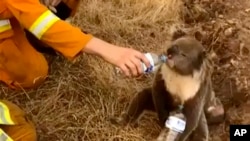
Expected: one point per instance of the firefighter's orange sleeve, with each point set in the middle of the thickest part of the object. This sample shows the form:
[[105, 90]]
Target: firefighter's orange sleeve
[[23, 128], [63, 37]]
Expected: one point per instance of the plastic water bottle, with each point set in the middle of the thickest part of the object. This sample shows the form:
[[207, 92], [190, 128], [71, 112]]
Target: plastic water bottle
[[176, 125], [154, 60]]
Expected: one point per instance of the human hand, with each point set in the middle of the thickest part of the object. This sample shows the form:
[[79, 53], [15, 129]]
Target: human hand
[[127, 59], [51, 4]]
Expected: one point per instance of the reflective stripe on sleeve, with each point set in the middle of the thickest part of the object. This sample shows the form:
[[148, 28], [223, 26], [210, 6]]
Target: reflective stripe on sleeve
[[43, 23], [5, 117], [4, 136], [4, 25]]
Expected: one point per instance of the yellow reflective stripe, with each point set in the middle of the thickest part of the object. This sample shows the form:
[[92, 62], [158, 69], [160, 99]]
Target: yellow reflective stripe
[[4, 25], [4, 136], [43, 23], [5, 115]]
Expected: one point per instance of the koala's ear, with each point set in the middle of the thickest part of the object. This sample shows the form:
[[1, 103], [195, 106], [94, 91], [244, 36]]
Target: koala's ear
[[198, 35], [178, 34]]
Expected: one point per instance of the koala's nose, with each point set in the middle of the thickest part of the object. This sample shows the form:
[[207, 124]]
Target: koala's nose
[[172, 50]]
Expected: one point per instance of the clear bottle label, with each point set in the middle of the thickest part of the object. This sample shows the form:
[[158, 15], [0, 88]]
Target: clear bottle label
[[176, 124], [145, 69], [151, 61]]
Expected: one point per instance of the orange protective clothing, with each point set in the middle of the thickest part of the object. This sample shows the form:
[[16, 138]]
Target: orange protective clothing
[[20, 64], [14, 124]]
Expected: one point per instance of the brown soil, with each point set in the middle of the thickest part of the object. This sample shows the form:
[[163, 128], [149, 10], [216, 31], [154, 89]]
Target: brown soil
[[77, 99]]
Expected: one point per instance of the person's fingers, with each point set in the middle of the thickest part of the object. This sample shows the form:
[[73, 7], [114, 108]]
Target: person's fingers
[[138, 65], [52, 8], [55, 2], [125, 70], [46, 2], [143, 58], [132, 67]]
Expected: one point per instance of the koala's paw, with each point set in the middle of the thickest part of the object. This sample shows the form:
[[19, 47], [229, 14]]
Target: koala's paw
[[216, 114]]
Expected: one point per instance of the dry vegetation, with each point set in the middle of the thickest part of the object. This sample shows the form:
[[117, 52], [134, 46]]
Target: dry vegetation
[[74, 104]]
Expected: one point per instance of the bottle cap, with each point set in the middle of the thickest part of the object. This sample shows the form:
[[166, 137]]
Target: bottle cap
[[163, 58]]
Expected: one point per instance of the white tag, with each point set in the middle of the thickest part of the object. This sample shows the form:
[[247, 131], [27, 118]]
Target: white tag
[[176, 124]]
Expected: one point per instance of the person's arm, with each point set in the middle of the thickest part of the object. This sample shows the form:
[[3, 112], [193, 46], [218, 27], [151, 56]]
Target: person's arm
[[70, 40], [47, 27], [127, 59]]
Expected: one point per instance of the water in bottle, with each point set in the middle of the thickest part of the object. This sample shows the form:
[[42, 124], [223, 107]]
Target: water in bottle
[[155, 61], [174, 126]]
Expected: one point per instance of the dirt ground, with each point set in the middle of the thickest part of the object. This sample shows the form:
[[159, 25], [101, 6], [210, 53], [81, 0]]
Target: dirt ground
[[77, 99]]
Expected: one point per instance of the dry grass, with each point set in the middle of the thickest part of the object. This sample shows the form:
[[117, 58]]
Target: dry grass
[[74, 104]]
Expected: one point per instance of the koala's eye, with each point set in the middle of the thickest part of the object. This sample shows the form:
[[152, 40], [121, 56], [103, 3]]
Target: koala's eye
[[183, 54]]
